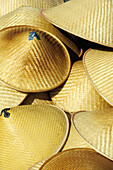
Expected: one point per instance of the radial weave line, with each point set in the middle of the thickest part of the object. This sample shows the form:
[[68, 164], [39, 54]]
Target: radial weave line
[[99, 68], [96, 128], [30, 134], [31, 16], [88, 19], [41, 65], [7, 6], [78, 93]]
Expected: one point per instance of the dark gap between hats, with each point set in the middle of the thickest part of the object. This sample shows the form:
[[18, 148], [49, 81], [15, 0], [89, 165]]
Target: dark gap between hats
[[84, 44]]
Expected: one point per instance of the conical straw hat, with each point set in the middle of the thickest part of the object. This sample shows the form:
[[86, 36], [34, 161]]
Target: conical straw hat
[[74, 140], [78, 159], [36, 65], [7, 6], [37, 98], [96, 128], [88, 19], [77, 93], [99, 68], [31, 16], [10, 97], [30, 134]]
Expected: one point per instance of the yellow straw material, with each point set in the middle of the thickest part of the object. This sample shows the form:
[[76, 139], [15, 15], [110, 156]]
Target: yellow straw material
[[10, 97], [36, 65], [88, 19], [7, 6], [31, 16], [96, 128], [99, 68], [78, 93], [78, 159], [30, 134], [75, 140]]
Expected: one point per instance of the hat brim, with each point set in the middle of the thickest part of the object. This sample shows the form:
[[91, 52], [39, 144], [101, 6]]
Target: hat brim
[[7, 7], [98, 67], [77, 159], [88, 19], [77, 93], [36, 65], [31, 16], [96, 128], [30, 134]]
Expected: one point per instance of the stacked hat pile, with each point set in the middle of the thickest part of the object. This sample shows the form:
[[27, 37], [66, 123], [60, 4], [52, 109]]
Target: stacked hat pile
[[64, 89]]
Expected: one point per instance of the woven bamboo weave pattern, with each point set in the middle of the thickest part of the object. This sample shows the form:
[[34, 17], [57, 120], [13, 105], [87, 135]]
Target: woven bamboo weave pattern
[[39, 65], [78, 93], [96, 128], [31, 16], [10, 97], [78, 159], [99, 67], [30, 134], [7, 6], [88, 19]]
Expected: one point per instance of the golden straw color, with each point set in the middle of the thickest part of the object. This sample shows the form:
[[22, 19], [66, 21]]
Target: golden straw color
[[78, 93], [35, 65], [37, 98], [10, 97], [37, 165], [31, 16], [88, 19], [75, 140], [30, 134], [99, 68], [7, 6], [78, 159], [96, 128]]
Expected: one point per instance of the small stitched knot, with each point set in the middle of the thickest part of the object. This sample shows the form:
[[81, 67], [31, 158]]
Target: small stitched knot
[[6, 114], [32, 35]]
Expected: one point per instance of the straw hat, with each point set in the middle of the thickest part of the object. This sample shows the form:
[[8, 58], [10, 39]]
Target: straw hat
[[96, 128], [10, 97], [77, 93], [31, 16], [78, 159], [30, 134], [88, 19], [36, 65], [74, 140], [37, 98], [6, 6], [99, 68]]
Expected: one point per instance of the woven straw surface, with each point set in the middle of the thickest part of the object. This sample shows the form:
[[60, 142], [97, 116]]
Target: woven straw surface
[[32, 65], [77, 93], [7, 6], [30, 134], [96, 128], [37, 98], [78, 159], [10, 97], [75, 140], [99, 67], [88, 19], [31, 16]]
